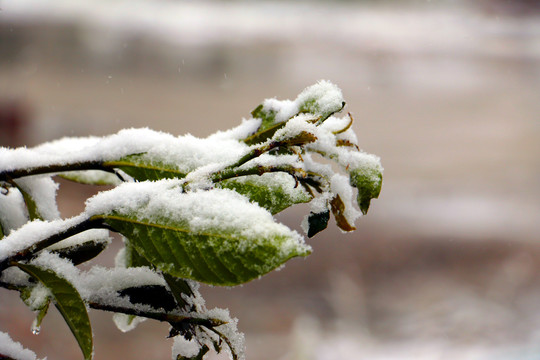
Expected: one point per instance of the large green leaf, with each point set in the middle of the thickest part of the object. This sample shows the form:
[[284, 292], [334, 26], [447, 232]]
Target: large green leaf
[[68, 301], [141, 168], [273, 191], [214, 258], [216, 236]]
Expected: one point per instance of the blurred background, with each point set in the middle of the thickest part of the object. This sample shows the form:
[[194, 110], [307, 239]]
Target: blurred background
[[447, 263]]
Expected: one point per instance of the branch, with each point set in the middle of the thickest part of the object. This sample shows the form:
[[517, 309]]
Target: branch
[[53, 168], [156, 315]]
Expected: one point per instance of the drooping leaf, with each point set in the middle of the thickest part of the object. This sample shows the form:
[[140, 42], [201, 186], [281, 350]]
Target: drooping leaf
[[68, 301], [273, 191], [338, 209], [216, 237], [368, 181], [141, 168], [36, 325], [317, 222], [91, 177]]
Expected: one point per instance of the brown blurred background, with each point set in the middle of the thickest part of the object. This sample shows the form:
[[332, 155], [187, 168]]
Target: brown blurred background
[[447, 263]]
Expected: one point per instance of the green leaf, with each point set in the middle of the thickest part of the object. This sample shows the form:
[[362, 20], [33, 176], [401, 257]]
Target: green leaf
[[263, 133], [81, 253], [214, 258], [227, 250], [317, 222], [273, 191], [322, 100], [312, 106], [368, 181], [68, 301], [141, 168], [268, 116], [91, 177], [134, 259]]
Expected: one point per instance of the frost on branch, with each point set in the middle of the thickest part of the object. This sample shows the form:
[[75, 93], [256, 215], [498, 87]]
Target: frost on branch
[[189, 210]]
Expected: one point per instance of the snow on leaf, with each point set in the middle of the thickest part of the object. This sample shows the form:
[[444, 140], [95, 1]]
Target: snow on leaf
[[13, 213], [40, 195], [273, 191], [216, 236]]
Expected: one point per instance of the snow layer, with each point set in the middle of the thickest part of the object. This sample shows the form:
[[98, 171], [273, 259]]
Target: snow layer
[[13, 212], [14, 349], [186, 152], [217, 209], [42, 190]]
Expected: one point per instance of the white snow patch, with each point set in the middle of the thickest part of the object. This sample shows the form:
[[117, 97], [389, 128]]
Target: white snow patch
[[14, 349]]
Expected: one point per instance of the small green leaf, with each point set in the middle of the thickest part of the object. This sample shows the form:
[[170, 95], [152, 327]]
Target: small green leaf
[[91, 177], [40, 316], [264, 133], [267, 116], [141, 168], [68, 301], [273, 191], [322, 100], [205, 238], [317, 222], [368, 181], [312, 106]]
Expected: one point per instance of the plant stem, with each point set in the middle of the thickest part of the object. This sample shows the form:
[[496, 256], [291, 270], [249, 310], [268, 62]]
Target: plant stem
[[53, 168], [156, 315]]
